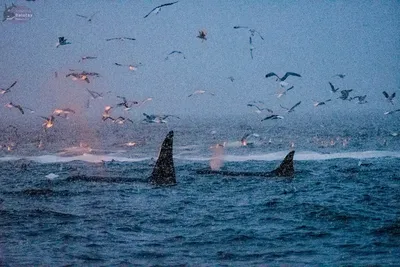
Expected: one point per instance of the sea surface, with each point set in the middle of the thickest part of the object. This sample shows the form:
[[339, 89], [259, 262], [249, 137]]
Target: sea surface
[[342, 207]]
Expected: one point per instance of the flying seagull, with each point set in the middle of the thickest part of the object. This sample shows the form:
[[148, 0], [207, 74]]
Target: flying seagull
[[62, 41], [333, 89], [281, 93], [157, 118], [7, 90], [63, 112], [292, 108], [130, 67], [158, 8], [339, 75], [198, 92], [345, 94], [259, 110], [19, 107], [202, 35], [252, 31], [95, 94], [273, 117], [284, 77], [85, 58], [120, 39], [361, 99], [320, 103], [122, 120], [48, 123], [127, 104], [175, 52], [391, 112], [389, 97], [89, 19], [106, 113]]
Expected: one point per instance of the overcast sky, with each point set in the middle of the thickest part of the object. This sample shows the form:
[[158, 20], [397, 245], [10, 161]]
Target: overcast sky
[[316, 39]]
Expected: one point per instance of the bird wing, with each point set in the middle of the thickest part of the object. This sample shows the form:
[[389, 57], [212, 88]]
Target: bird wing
[[20, 108], [287, 74], [393, 95], [11, 86], [109, 39], [118, 64], [271, 74], [268, 117], [385, 94], [129, 38], [332, 87], [240, 27], [298, 103], [167, 4], [262, 38], [82, 16]]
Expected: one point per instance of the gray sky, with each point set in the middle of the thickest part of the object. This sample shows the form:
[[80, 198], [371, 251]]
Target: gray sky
[[314, 38]]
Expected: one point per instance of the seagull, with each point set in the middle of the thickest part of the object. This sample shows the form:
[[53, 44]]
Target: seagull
[[122, 120], [62, 41], [252, 31], [247, 135], [333, 89], [361, 99], [391, 112], [19, 107], [273, 117], [157, 118], [281, 93], [339, 75], [345, 94], [259, 110], [127, 104], [251, 47], [231, 78], [202, 35], [78, 76], [131, 67], [292, 108], [89, 19], [320, 103], [121, 38], [95, 94], [49, 122], [197, 92], [389, 97], [63, 112], [157, 9], [85, 58], [106, 113], [284, 77], [175, 52], [7, 90]]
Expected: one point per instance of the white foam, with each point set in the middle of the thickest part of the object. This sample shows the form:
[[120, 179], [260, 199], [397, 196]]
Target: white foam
[[301, 155], [87, 157]]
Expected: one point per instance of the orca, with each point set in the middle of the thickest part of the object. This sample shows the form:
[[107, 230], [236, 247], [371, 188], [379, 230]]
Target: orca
[[164, 169], [286, 169]]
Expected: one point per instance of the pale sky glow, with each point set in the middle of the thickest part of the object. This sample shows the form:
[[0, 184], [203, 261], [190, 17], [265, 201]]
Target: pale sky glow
[[316, 39]]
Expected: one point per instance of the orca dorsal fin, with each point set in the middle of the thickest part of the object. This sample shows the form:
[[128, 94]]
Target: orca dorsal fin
[[164, 170], [286, 168]]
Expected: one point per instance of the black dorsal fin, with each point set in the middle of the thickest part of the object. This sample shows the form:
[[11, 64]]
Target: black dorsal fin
[[164, 170], [286, 168]]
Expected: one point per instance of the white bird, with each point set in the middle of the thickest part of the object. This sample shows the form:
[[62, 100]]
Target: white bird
[[199, 92]]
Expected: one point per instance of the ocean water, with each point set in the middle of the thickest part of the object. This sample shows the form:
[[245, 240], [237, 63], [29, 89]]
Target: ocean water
[[341, 207]]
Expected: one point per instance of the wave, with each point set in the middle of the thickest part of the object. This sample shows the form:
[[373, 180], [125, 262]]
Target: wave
[[300, 155]]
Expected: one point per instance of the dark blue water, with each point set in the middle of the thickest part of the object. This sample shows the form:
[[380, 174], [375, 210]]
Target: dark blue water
[[341, 208]]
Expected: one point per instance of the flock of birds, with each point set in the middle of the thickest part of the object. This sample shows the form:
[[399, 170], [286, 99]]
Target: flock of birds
[[127, 104]]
